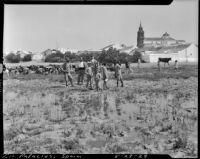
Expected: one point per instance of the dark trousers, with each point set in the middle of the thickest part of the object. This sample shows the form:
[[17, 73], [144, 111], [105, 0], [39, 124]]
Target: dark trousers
[[89, 81], [81, 73], [119, 78]]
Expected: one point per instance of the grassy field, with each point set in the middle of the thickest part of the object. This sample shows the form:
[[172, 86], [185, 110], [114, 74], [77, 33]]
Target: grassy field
[[154, 113]]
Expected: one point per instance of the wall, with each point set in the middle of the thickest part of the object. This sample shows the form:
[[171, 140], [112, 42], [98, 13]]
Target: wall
[[189, 54], [154, 57], [37, 57]]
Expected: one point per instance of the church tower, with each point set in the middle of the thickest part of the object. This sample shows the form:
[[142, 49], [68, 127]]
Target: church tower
[[140, 37]]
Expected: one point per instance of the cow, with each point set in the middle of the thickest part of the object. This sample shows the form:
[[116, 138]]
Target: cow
[[164, 60]]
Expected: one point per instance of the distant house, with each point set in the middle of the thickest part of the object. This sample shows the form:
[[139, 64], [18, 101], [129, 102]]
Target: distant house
[[122, 48], [127, 50], [182, 53], [47, 52], [38, 57]]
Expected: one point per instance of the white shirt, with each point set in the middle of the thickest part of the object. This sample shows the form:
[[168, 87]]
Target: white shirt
[[81, 64]]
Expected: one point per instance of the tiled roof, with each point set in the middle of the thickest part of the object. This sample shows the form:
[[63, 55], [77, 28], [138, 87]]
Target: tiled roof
[[153, 38], [165, 49], [171, 49], [166, 34], [157, 39], [126, 48], [180, 40]]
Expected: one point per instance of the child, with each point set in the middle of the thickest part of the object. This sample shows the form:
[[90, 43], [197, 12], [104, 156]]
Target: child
[[104, 76], [119, 74], [176, 65], [89, 75], [127, 67]]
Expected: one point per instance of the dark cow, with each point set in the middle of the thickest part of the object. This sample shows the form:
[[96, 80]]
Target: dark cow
[[164, 60]]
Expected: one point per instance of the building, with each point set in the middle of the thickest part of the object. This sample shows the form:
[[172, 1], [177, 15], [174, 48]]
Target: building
[[38, 57], [140, 37], [182, 53], [164, 40]]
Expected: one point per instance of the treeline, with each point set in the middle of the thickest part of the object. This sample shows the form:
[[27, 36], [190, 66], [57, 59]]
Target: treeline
[[106, 56], [16, 58]]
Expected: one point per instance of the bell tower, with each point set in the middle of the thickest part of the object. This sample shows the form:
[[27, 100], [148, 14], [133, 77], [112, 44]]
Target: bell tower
[[140, 37]]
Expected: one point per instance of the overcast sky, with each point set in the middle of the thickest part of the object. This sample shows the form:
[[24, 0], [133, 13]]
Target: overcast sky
[[39, 27]]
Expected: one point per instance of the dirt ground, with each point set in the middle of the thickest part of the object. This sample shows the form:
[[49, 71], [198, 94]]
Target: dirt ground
[[154, 113]]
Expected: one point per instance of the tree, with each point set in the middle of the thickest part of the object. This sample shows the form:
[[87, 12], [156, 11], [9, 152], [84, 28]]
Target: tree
[[55, 57], [27, 57], [12, 58], [109, 56], [136, 56]]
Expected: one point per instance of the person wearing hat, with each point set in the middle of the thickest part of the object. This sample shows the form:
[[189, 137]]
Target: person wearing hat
[[118, 70], [104, 76], [81, 71], [66, 68]]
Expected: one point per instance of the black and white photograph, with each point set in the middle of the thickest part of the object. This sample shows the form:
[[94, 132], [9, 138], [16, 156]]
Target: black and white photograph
[[101, 79]]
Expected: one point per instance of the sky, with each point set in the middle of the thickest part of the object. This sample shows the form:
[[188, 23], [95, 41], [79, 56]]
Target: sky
[[36, 28]]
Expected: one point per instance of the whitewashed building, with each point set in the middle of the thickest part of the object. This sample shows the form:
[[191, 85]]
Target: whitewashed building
[[182, 53], [38, 57]]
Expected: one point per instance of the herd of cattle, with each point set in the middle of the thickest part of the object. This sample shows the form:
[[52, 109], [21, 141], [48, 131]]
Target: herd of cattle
[[37, 69]]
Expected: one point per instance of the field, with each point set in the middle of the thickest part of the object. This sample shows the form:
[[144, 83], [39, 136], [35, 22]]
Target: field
[[154, 113]]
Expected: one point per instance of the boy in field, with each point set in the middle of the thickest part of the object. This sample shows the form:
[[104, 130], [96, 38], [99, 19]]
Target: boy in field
[[89, 76], [176, 65], [66, 68], [104, 76], [118, 71], [127, 65]]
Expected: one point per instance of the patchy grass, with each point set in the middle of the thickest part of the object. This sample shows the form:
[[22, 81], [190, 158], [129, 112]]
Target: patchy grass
[[150, 114]]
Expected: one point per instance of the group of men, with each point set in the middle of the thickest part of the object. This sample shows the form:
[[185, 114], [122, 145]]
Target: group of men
[[94, 71]]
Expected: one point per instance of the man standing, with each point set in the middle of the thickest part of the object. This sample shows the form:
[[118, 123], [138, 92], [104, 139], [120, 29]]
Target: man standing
[[67, 72], [81, 72], [89, 76], [119, 73], [104, 76], [95, 69]]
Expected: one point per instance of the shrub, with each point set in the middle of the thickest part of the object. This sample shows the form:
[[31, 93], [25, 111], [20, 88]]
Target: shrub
[[27, 57], [55, 57], [12, 58]]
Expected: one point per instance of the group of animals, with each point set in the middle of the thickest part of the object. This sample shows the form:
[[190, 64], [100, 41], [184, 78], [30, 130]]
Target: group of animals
[[35, 69], [51, 69]]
